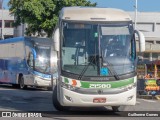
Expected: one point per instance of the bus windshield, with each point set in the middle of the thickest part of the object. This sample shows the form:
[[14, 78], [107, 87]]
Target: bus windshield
[[38, 55], [98, 49], [42, 61]]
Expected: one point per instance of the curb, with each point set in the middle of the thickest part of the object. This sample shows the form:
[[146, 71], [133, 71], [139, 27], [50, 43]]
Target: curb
[[157, 97], [146, 96]]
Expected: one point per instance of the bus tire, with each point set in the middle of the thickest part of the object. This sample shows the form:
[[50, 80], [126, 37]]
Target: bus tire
[[118, 108], [21, 83], [56, 103]]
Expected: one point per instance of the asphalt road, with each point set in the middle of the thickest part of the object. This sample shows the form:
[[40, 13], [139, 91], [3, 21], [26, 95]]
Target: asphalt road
[[40, 100]]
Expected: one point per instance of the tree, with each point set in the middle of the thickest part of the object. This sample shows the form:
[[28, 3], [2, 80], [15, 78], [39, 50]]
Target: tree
[[41, 15]]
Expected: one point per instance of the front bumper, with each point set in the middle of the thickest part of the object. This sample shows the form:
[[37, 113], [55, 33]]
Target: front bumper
[[70, 98]]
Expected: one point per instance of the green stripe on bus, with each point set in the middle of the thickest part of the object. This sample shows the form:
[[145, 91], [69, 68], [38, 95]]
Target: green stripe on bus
[[113, 84], [66, 80]]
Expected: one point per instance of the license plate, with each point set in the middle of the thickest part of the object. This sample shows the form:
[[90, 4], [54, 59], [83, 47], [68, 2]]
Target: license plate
[[99, 100]]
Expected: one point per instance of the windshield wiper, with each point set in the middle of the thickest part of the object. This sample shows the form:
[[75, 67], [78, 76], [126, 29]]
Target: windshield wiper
[[111, 69], [85, 68]]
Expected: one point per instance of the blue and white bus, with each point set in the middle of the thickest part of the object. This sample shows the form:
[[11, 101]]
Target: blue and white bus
[[25, 61]]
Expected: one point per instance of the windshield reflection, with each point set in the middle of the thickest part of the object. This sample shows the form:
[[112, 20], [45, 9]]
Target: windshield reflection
[[88, 49], [42, 61]]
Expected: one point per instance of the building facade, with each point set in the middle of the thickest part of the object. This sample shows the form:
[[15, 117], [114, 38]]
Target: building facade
[[20, 30], [6, 24], [149, 24]]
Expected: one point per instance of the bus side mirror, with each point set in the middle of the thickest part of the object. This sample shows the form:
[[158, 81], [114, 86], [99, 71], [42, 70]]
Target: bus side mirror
[[56, 39], [141, 40]]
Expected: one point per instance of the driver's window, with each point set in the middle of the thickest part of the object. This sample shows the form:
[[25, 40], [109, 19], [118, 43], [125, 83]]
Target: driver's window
[[30, 60], [29, 57]]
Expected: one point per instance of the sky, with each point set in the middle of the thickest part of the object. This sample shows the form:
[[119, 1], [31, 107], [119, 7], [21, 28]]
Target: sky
[[5, 2], [127, 5]]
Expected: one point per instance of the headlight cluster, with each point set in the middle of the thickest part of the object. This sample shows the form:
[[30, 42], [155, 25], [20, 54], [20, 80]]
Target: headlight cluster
[[67, 86], [129, 87]]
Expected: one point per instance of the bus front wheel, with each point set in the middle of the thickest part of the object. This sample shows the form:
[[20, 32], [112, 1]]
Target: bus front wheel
[[21, 83], [56, 103], [118, 108]]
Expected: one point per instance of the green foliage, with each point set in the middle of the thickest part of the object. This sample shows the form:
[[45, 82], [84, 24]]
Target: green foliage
[[41, 15]]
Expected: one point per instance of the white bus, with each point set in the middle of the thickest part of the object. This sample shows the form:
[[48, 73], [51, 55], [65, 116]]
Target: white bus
[[25, 61], [96, 58]]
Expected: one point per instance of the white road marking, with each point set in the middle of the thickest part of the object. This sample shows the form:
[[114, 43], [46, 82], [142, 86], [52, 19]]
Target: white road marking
[[149, 100]]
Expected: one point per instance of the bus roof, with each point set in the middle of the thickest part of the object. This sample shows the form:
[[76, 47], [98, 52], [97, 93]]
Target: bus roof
[[93, 14], [12, 40], [46, 41]]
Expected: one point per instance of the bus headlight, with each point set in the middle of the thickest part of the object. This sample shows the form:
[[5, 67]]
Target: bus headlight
[[67, 86], [129, 87]]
